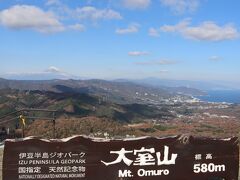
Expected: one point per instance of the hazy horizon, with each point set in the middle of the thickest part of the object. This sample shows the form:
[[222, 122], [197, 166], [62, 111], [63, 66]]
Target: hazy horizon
[[55, 74]]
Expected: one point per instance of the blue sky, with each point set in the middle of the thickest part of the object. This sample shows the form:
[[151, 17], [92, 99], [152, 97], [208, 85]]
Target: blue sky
[[168, 39]]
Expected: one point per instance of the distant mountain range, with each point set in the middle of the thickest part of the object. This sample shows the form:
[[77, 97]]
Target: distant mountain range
[[121, 92], [187, 84]]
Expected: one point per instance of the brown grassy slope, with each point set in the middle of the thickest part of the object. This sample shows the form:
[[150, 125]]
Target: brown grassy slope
[[75, 126]]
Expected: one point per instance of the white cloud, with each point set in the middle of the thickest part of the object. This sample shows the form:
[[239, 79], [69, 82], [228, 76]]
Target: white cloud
[[215, 58], [77, 27], [138, 53], [178, 27], [207, 31], [166, 62], [136, 4], [57, 71], [153, 32], [92, 13], [181, 6], [163, 71], [83, 13], [132, 28], [53, 2], [53, 69], [30, 17], [159, 62]]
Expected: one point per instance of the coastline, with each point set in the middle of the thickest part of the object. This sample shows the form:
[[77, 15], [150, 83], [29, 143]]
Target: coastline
[[220, 96]]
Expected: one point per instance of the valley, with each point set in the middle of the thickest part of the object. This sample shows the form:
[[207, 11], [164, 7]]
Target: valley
[[116, 109]]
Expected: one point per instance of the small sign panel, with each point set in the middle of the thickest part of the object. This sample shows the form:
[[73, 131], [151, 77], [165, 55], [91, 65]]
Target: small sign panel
[[178, 158]]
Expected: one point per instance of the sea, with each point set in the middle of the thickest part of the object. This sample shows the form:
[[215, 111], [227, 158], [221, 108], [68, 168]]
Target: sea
[[228, 96]]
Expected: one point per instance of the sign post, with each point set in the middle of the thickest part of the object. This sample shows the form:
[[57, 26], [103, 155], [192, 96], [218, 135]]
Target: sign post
[[23, 124], [172, 158]]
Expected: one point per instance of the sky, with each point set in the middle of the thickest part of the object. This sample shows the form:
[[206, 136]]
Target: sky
[[112, 39]]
